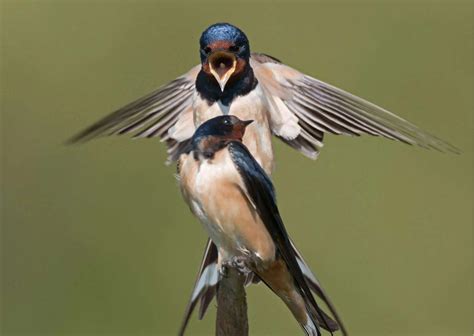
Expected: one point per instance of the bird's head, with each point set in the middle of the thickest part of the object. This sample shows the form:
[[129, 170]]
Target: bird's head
[[221, 129], [225, 52]]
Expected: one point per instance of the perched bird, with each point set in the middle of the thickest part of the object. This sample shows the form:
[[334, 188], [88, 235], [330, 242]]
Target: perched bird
[[282, 101], [233, 197]]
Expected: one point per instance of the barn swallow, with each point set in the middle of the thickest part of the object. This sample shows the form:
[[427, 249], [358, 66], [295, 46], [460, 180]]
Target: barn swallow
[[231, 80], [234, 198]]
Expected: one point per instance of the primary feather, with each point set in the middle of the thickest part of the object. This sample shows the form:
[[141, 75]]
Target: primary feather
[[301, 110]]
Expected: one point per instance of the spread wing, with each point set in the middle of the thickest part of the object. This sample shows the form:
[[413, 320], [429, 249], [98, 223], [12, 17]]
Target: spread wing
[[166, 113], [303, 108], [259, 188]]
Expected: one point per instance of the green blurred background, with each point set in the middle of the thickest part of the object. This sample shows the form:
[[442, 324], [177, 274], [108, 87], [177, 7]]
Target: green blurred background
[[96, 239]]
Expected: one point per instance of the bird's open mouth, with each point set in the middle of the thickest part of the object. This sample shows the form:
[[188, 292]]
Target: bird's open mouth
[[222, 65]]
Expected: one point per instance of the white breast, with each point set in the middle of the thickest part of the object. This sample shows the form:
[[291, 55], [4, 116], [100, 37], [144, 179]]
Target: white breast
[[214, 190], [210, 172], [253, 106], [250, 106], [208, 191]]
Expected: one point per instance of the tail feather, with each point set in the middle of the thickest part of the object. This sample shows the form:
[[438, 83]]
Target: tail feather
[[309, 327], [206, 299], [316, 288], [322, 320], [207, 282], [204, 286]]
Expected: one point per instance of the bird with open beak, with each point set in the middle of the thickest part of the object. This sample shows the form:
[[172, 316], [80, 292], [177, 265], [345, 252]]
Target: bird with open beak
[[283, 102], [294, 107], [225, 72]]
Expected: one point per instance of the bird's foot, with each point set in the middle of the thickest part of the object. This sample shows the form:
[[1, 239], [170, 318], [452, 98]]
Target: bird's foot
[[238, 262], [223, 270]]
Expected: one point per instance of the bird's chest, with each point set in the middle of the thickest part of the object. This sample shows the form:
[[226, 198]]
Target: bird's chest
[[210, 188], [249, 106], [215, 193], [257, 136]]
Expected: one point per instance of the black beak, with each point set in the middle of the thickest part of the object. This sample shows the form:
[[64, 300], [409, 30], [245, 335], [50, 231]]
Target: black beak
[[247, 122]]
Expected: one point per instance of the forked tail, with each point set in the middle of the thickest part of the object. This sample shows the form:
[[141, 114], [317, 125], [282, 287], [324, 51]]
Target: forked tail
[[207, 281]]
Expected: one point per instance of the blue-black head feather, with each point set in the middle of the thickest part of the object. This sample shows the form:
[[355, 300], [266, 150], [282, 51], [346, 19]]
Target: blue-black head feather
[[225, 32], [226, 126], [225, 58]]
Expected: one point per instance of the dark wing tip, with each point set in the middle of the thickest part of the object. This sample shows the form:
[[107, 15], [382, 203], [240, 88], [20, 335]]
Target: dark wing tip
[[347, 109], [149, 116], [81, 137]]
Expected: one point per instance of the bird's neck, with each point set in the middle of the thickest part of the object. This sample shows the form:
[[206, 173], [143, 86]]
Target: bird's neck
[[206, 147], [238, 85]]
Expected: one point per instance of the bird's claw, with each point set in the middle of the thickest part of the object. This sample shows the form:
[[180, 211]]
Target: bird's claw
[[237, 262], [224, 270]]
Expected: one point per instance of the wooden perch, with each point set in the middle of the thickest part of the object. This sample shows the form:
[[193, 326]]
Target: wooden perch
[[231, 319]]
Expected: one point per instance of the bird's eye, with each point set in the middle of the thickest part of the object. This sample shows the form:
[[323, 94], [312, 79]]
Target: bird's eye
[[234, 48], [207, 50], [226, 122]]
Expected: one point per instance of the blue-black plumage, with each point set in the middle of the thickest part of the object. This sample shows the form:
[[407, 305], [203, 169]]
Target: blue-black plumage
[[219, 32], [221, 169], [294, 107]]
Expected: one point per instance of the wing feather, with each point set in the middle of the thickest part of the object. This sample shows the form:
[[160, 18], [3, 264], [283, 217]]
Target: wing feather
[[301, 110], [261, 192], [154, 115], [321, 107]]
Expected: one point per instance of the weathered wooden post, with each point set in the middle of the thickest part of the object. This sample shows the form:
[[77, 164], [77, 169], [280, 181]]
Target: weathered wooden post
[[231, 319]]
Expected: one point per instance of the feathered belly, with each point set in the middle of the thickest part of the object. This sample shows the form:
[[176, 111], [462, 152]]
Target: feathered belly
[[229, 218]]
